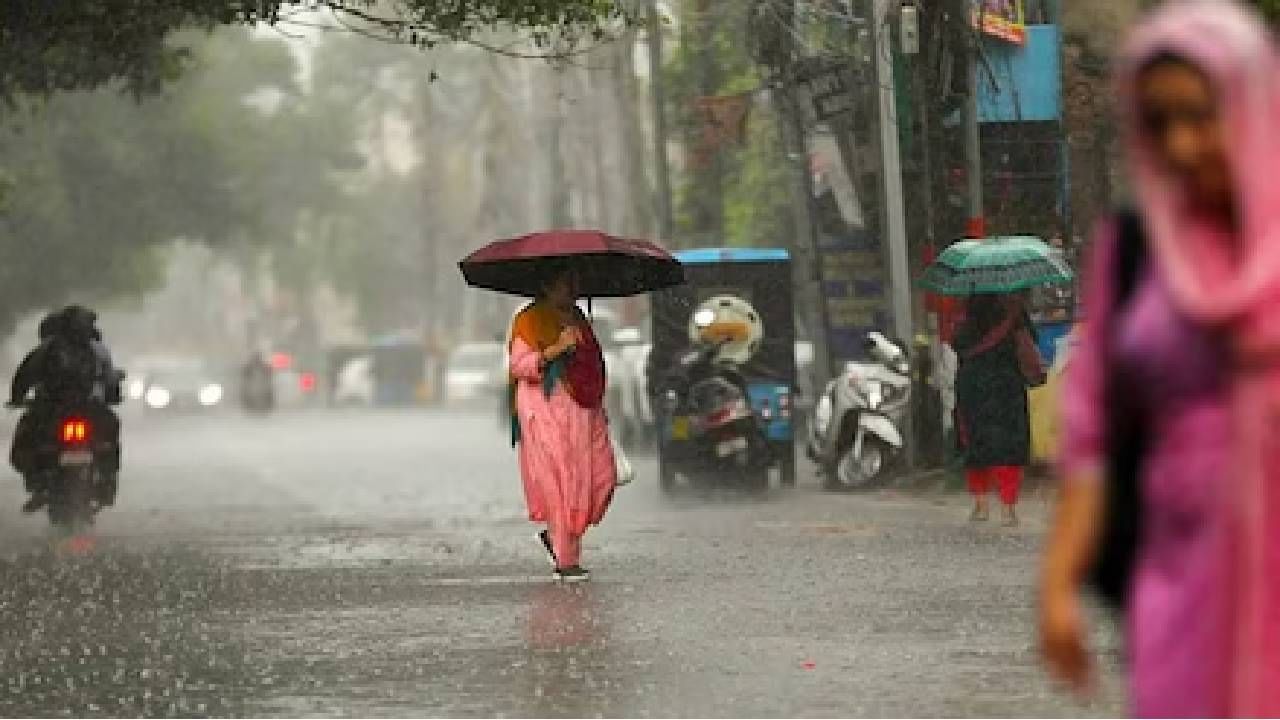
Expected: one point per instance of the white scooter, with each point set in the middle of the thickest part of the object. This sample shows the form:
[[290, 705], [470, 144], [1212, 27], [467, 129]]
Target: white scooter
[[856, 430]]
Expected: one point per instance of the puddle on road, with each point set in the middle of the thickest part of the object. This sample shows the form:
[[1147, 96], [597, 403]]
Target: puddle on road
[[819, 528], [345, 552], [493, 580]]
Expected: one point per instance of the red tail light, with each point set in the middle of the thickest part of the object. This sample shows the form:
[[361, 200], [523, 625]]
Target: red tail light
[[719, 416], [307, 381], [75, 432]]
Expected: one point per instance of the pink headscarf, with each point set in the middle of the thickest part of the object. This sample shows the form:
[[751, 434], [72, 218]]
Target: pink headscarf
[[1231, 283], [1233, 48]]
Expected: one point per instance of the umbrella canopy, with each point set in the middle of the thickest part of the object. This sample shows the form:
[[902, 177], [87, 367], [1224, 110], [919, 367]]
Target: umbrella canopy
[[995, 265], [606, 266]]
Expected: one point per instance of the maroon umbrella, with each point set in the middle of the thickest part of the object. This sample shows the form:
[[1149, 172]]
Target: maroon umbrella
[[606, 266]]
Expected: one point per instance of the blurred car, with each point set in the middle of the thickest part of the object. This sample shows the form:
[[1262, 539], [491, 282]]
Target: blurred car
[[630, 413], [296, 385], [181, 386], [473, 371]]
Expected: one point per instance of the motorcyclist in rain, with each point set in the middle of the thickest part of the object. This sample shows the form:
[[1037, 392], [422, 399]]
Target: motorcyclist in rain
[[71, 367], [257, 389]]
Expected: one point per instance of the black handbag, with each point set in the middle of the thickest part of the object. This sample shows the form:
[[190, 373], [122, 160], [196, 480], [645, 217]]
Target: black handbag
[[1114, 561]]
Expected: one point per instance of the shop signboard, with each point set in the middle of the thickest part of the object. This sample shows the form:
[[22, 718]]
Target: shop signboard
[[1003, 19], [853, 290]]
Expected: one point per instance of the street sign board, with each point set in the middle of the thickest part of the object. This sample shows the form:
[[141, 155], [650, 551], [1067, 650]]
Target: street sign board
[[830, 87]]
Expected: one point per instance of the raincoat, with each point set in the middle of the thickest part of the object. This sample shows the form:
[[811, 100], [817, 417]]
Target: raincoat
[[1196, 343], [566, 458]]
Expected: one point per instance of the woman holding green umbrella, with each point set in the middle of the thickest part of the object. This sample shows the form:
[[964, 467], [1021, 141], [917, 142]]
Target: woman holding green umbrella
[[991, 400], [997, 358]]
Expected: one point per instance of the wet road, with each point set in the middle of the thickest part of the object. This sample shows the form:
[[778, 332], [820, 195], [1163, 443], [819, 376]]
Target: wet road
[[378, 564]]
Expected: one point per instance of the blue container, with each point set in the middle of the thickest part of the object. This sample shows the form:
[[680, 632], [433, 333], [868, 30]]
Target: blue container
[[1049, 334]]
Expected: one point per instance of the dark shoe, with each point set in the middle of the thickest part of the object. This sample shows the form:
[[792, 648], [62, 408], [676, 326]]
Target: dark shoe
[[37, 501], [575, 574], [546, 543]]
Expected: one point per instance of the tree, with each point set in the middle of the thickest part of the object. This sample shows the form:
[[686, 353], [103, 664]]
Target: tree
[[735, 195], [60, 45], [1270, 9], [88, 201]]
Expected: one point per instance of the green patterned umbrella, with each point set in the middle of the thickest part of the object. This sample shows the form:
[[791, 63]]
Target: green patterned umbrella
[[995, 265]]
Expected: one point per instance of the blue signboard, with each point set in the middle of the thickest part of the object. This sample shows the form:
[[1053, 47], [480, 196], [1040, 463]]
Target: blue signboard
[[853, 290], [1021, 83]]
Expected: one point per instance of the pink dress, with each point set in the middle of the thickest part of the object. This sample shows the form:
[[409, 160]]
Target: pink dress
[[1179, 630], [1199, 345], [566, 459]]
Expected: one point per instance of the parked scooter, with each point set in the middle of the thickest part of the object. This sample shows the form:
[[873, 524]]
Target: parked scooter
[[856, 433]]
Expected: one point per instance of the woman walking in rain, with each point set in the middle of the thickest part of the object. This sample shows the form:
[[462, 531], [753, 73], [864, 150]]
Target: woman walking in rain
[[558, 420], [1183, 344], [991, 401]]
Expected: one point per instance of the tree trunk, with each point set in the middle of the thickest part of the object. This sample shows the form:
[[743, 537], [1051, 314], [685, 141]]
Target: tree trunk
[[707, 201], [558, 188], [637, 217]]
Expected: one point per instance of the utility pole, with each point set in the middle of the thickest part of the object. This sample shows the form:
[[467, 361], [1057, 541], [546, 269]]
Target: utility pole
[[657, 92], [977, 225], [894, 225], [806, 270], [925, 105]]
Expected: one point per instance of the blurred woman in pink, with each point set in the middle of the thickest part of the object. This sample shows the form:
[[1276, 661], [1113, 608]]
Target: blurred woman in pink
[[1192, 351]]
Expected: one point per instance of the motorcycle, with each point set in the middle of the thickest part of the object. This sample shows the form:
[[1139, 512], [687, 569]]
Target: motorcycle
[[856, 432], [714, 431], [257, 393], [68, 451]]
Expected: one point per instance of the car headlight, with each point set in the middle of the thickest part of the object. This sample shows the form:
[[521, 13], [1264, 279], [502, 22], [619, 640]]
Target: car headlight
[[137, 389], [158, 397], [211, 394]]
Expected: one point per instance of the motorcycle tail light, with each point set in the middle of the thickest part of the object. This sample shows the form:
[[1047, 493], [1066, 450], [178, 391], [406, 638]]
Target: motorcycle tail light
[[75, 432]]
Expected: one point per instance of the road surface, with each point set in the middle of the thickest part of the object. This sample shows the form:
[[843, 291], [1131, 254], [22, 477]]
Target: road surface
[[378, 564]]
